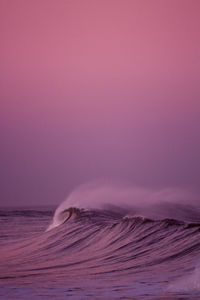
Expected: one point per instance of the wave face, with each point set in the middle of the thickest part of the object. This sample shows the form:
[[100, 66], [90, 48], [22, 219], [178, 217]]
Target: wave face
[[104, 253]]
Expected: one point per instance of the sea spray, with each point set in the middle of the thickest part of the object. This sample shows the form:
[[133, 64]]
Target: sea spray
[[131, 200], [187, 282]]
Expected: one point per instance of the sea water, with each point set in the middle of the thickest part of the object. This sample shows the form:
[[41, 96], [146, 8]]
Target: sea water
[[93, 251]]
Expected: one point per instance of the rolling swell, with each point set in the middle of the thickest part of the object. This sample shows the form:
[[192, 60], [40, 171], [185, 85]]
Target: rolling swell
[[96, 242]]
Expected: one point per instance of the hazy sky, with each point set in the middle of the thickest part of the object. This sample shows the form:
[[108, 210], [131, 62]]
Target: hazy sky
[[95, 89]]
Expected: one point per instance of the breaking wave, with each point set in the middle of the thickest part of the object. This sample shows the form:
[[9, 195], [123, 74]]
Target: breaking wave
[[125, 200], [89, 237]]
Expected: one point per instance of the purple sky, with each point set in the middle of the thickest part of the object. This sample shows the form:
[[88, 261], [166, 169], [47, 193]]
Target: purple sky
[[98, 89]]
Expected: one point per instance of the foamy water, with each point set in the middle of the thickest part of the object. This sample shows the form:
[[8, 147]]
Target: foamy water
[[101, 249]]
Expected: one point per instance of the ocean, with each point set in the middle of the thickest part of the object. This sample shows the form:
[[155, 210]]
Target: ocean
[[99, 253]]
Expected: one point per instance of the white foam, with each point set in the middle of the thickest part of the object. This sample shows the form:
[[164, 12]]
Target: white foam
[[187, 283]]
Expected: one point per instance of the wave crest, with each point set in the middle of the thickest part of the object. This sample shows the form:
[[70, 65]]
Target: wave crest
[[120, 201]]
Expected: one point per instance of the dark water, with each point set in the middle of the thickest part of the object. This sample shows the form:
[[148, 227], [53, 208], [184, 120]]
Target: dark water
[[97, 254]]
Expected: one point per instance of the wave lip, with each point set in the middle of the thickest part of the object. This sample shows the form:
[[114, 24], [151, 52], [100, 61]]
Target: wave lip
[[63, 216]]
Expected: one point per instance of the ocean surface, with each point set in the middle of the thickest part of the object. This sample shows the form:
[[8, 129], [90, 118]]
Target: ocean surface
[[79, 253]]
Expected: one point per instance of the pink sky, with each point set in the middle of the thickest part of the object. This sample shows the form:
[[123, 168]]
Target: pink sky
[[98, 89]]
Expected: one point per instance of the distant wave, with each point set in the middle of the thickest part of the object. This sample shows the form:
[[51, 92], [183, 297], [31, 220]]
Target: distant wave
[[24, 213]]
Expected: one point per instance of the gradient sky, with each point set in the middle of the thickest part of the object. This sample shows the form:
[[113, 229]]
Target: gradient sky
[[95, 89]]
